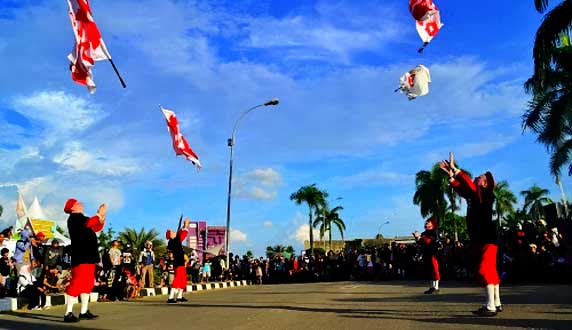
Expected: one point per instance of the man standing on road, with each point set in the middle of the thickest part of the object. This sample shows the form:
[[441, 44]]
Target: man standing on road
[[146, 260], [176, 248], [429, 248], [85, 254], [482, 231]]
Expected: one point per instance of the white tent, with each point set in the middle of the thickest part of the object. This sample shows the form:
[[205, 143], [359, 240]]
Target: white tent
[[35, 211]]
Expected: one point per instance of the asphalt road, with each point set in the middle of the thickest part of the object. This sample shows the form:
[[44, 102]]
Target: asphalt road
[[328, 306]]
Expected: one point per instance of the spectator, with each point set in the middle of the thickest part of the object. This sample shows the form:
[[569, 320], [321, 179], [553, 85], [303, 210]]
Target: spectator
[[146, 260], [22, 253], [27, 287], [54, 254]]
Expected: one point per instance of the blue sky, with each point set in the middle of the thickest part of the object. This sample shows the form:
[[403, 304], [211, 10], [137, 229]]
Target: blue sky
[[334, 66]]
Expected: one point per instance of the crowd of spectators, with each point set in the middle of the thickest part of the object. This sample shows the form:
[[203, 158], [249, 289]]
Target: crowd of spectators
[[528, 252]]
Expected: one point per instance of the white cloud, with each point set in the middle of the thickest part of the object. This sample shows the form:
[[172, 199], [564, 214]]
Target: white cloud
[[267, 224], [76, 158], [266, 176], [302, 233], [61, 112], [237, 236]]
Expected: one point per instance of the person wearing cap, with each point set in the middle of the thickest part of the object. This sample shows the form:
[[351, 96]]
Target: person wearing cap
[[174, 245], [37, 246], [429, 249], [85, 255], [482, 231], [147, 260], [23, 250]]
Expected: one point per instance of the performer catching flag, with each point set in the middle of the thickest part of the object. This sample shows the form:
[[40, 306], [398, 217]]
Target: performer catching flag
[[175, 246], [429, 249], [180, 144], [89, 46], [428, 20], [85, 255], [482, 232], [415, 82]]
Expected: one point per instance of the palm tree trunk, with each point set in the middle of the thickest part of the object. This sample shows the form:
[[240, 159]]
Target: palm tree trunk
[[330, 237], [311, 233]]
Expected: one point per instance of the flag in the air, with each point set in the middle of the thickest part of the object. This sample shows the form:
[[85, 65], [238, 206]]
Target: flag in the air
[[89, 46], [415, 82], [180, 144], [428, 19]]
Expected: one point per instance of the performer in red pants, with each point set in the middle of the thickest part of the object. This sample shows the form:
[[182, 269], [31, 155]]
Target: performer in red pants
[[175, 246], [85, 255], [482, 231], [429, 249]]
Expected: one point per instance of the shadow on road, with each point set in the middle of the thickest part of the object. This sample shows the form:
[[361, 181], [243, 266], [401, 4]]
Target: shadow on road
[[26, 325]]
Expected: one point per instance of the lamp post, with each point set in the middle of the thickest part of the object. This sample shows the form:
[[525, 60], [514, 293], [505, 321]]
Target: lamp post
[[231, 145], [379, 229]]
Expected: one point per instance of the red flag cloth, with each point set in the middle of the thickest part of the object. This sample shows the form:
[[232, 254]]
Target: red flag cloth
[[89, 47], [180, 144], [428, 18]]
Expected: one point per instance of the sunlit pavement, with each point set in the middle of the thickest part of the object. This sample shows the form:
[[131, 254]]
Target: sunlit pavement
[[340, 305]]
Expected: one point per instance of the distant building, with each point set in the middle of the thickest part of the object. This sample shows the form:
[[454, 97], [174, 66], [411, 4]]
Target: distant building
[[197, 235], [215, 236]]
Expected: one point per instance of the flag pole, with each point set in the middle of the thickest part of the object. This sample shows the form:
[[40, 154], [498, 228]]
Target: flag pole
[[117, 73], [420, 50]]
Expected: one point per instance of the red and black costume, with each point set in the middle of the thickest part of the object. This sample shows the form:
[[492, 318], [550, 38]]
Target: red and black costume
[[481, 229], [176, 247], [429, 251], [85, 252]]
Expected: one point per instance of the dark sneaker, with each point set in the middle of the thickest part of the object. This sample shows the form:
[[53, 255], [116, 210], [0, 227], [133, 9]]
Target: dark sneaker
[[499, 309], [171, 301], [88, 316], [70, 318], [430, 291], [483, 311], [182, 299]]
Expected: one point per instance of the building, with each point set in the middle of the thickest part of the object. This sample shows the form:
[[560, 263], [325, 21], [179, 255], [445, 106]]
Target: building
[[196, 238], [215, 236]]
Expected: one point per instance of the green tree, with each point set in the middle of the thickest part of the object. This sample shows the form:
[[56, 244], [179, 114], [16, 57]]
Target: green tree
[[431, 187], [325, 218], [549, 111], [313, 197], [278, 249], [1, 210], [454, 223], [249, 254], [534, 199], [105, 238], [504, 201], [138, 239], [516, 217]]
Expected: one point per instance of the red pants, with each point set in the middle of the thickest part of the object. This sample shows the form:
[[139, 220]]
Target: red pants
[[82, 279], [488, 265], [435, 269], [180, 280]]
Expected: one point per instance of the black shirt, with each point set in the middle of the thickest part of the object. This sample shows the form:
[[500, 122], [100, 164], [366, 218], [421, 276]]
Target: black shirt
[[83, 241]]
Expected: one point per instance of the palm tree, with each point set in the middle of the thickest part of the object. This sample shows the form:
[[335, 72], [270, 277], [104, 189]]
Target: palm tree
[[314, 197], [138, 239], [516, 217], [504, 200], [325, 217], [549, 111], [430, 194], [534, 199], [276, 249]]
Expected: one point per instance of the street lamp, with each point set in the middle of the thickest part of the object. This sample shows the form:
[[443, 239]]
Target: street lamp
[[231, 145], [379, 229]]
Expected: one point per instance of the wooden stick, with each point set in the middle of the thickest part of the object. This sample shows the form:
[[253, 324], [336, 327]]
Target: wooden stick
[[420, 50], [117, 73]]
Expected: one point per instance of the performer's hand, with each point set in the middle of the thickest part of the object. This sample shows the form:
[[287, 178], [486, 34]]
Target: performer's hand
[[186, 223], [446, 168], [452, 163], [101, 211], [415, 234]]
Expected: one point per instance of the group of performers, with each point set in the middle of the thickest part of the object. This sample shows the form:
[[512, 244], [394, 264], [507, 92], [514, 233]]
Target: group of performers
[[479, 196], [85, 256], [478, 193]]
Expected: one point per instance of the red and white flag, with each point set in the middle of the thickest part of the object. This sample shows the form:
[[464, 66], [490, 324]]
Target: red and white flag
[[180, 144], [427, 17], [89, 46], [415, 82]]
